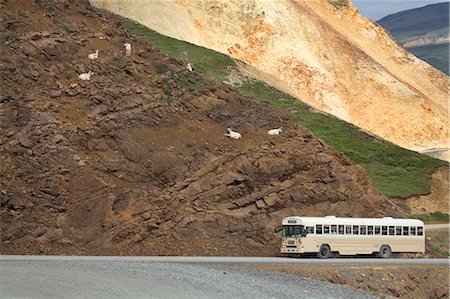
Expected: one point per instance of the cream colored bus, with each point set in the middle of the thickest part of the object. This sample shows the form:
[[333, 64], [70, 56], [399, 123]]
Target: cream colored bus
[[350, 236]]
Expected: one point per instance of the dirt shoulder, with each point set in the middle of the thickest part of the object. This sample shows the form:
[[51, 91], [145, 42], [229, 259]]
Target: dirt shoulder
[[385, 281]]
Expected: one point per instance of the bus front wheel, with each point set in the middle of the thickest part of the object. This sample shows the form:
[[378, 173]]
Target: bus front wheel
[[324, 252], [385, 252]]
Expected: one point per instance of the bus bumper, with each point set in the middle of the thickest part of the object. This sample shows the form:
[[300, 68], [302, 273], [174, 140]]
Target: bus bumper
[[292, 249]]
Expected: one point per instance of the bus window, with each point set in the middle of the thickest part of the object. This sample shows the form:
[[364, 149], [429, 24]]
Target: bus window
[[333, 229], [398, 230], [319, 229], [377, 230], [391, 231], [356, 229], [326, 229], [412, 231], [310, 229], [406, 230], [341, 229], [362, 230], [370, 230], [384, 230], [420, 231], [348, 229]]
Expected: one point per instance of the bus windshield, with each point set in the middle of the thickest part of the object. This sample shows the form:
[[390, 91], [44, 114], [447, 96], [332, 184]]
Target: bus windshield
[[293, 230]]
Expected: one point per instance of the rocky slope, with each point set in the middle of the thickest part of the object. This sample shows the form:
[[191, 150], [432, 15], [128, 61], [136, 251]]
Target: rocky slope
[[323, 52], [135, 160]]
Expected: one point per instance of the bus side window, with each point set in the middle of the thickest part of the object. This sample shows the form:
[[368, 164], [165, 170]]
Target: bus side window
[[398, 230], [406, 230], [391, 231], [341, 229], [356, 229], [412, 231], [319, 229], [420, 231], [348, 229], [384, 230], [334, 229], [326, 229], [310, 229], [362, 230], [370, 230], [377, 230]]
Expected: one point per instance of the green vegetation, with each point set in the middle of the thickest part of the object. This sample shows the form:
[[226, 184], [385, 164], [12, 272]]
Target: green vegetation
[[5, 38], [403, 206], [440, 249], [435, 216], [161, 68], [397, 172]]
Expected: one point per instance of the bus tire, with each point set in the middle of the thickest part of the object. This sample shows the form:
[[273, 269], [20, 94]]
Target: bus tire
[[385, 252], [324, 252]]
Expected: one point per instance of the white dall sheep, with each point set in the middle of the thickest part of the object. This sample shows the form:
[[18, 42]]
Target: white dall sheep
[[189, 67], [275, 131], [233, 134], [127, 48], [86, 76], [93, 56]]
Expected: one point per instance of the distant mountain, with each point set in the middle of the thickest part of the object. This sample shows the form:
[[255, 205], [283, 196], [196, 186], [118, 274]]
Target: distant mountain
[[424, 31]]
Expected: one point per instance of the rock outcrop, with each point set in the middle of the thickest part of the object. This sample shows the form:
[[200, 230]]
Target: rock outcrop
[[135, 160], [322, 52]]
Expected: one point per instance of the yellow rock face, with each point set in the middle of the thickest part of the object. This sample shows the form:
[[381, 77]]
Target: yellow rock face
[[320, 51]]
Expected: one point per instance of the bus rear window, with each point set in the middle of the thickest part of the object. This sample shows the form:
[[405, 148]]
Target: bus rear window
[[420, 230]]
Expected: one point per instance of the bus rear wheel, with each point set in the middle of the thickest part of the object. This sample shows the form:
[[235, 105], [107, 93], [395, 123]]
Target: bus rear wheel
[[324, 252], [385, 252]]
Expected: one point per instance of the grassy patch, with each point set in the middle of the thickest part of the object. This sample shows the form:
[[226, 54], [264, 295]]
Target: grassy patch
[[396, 172], [440, 249], [404, 207], [435, 216]]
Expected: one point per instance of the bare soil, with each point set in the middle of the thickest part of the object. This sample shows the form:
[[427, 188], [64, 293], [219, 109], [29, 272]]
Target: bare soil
[[385, 281]]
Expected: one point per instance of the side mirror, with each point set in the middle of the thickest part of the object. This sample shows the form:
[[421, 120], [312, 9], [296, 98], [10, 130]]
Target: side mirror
[[277, 229]]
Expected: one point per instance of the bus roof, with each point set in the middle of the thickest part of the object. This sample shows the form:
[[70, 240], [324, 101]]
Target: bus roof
[[299, 220]]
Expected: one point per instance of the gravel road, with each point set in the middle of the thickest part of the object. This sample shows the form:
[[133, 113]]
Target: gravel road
[[143, 279]]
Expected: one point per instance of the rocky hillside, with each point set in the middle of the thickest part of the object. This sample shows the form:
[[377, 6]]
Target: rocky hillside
[[322, 52], [135, 160], [424, 31]]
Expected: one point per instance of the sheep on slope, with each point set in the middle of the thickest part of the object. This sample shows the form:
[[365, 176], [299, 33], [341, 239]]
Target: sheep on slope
[[233, 134]]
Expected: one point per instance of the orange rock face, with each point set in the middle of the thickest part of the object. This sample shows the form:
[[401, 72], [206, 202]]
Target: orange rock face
[[323, 52]]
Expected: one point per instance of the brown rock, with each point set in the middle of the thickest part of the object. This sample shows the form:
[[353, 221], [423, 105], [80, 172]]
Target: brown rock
[[260, 204], [54, 93], [271, 199]]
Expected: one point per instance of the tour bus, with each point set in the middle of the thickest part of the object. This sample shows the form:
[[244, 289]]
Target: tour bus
[[351, 236]]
